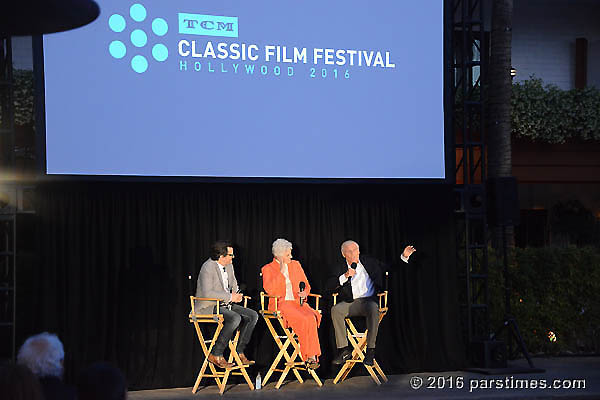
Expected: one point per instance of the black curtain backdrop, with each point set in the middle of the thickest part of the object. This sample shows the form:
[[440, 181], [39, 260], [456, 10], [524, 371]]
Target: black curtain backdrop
[[114, 261]]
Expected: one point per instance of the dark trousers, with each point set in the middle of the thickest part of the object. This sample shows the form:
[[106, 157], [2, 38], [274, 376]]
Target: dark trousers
[[363, 307], [232, 320]]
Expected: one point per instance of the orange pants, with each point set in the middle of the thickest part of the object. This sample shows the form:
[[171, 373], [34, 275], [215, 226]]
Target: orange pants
[[304, 321]]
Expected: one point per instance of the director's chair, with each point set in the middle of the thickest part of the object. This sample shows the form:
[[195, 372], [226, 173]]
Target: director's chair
[[358, 340], [291, 362], [216, 318]]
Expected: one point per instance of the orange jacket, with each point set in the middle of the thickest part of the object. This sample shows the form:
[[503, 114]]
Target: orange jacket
[[274, 281]]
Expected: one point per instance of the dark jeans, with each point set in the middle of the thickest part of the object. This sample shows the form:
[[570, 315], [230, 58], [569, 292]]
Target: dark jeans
[[233, 318], [363, 307]]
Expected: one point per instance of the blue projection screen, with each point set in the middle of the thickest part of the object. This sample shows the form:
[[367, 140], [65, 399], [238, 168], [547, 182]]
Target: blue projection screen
[[239, 88]]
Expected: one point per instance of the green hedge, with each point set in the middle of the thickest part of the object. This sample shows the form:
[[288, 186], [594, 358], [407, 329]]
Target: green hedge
[[553, 289], [548, 114], [551, 115], [23, 95], [540, 113]]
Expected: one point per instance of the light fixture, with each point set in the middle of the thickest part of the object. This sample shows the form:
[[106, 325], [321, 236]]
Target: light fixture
[[36, 17]]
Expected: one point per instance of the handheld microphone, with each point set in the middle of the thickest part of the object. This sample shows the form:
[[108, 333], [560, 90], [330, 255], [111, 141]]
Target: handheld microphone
[[302, 287], [353, 266]]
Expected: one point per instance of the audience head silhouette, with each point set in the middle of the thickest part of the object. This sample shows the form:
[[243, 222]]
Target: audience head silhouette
[[43, 354], [102, 381], [17, 382]]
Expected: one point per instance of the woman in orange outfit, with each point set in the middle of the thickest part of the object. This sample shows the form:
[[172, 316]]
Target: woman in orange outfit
[[282, 278]]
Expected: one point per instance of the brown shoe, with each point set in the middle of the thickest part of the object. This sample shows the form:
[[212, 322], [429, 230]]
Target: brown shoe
[[245, 360], [219, 361]]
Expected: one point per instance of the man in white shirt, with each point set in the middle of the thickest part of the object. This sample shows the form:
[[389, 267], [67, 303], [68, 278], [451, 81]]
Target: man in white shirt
[[357, 281], [217, 280]]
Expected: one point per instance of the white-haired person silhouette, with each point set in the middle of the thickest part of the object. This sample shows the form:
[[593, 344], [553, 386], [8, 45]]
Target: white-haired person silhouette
[[44, 355]]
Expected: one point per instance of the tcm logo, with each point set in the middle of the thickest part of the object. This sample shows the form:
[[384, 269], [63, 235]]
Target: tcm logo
[[208, 25], [136, 39]]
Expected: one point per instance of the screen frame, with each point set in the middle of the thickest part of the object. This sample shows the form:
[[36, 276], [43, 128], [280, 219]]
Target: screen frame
[[449, 148]]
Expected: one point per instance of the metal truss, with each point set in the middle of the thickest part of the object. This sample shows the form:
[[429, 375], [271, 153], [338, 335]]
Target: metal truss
[[468, 75], [7, 212], [7, 115]]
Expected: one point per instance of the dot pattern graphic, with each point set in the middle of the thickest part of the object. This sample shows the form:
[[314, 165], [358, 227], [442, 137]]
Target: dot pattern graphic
[[137, 12], [117, 23], [139, 64], [160, 52], [138, 29], [139, 38], [160, 27], [117, 49]]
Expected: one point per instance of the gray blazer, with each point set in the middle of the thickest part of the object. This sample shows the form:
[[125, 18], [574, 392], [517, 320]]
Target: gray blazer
[[210, 284]]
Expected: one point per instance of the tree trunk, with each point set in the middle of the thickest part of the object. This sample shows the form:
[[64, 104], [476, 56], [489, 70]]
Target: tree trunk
[[499, 154]]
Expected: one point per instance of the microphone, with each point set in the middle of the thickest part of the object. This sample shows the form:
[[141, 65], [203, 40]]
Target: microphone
[[353, 266], [302, 287]]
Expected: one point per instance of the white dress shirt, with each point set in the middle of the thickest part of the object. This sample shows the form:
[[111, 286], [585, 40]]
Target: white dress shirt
[[224, 278], [362, 285]]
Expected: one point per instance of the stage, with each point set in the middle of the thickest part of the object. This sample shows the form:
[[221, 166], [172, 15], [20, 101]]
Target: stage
[[574, 371]]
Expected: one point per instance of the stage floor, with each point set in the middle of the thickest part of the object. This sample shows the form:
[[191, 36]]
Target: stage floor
[[564, 371]]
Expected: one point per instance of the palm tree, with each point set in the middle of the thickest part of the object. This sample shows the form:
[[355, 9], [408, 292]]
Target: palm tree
[[499, 106]]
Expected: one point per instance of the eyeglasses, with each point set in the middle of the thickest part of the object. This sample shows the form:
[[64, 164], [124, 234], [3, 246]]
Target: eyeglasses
[[230, 255]]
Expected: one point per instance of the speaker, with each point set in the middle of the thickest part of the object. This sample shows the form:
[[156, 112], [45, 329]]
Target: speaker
[[489, 354], [581, 63], [503, 202], [473, 201]]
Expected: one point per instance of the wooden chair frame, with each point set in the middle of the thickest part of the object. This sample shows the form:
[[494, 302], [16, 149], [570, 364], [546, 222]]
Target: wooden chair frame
[[294, 361], [358, 341], [220, 377]]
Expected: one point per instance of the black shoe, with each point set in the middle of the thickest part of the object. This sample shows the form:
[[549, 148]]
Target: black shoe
[[312, 364], [344, 355], [369, 357]]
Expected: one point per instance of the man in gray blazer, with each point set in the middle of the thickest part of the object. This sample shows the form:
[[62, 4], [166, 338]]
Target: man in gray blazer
[[217, 280]]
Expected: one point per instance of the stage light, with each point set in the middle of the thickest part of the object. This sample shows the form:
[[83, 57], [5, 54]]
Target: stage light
[[15, 198], [35, 17], [8, 199]]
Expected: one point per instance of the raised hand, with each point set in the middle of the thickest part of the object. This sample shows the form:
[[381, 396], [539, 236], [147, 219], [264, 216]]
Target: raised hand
[[408, 250]]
